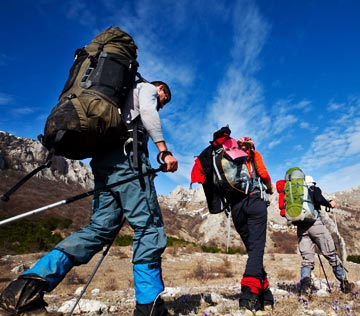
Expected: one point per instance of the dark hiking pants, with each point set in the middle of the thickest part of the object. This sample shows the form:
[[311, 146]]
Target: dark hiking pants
[[250, 220]]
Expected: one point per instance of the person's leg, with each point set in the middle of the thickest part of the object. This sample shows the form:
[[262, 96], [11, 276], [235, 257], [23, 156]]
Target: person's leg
[[307, 251], [142, 211], [81, 246], [257, 222], [250, 220], [239, 218], [325, 243], [266, 297], [76, 249]]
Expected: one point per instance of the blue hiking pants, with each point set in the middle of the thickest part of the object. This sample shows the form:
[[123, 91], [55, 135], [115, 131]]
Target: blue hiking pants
[[136, 200], [250, 220]]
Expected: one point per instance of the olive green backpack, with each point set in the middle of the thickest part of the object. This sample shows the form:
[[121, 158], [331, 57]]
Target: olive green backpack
[[87, 117], [298, 203]]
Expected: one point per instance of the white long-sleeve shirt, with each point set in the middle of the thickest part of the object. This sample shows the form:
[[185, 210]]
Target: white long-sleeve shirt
[[142, 100]]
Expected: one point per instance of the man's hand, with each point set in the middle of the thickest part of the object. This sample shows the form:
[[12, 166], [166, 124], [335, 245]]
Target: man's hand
[[171, 163], [269, 189], [165, 156], [332, 203]]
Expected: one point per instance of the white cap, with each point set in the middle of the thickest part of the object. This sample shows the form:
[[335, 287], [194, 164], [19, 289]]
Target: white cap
[[309, 181]]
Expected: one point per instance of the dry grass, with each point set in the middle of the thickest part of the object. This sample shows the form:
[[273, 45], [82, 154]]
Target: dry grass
[[198, 274], [287, 275], [284, 242]]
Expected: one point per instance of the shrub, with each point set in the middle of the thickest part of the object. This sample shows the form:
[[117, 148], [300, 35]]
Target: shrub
[[123, 240], [172, 241], [284, 242], [210, 249], [199, 272], [353, 258], [239, 250], [26, 235]]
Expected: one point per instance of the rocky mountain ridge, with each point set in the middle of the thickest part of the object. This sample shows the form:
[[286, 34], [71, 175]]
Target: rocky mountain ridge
[[188, 207], [24, 155]]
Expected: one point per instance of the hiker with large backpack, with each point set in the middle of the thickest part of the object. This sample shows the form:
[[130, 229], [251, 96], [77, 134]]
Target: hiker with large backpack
[[235, 179], [301, 193], [136, 201]]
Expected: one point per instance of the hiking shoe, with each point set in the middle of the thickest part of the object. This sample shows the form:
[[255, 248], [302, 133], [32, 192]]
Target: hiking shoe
[[306, 287], [38, 312], [267, 299], [23, 294], [248, 301], [346, 287]]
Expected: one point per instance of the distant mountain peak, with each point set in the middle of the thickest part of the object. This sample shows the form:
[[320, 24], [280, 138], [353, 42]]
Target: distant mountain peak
[[25, 154]]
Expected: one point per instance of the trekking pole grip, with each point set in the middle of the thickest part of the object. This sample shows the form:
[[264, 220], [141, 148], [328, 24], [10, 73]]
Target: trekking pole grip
[[161, 156]]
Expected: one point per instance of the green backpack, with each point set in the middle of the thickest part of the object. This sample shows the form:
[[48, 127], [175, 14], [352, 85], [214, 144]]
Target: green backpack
[[298, 203], [88, 114]]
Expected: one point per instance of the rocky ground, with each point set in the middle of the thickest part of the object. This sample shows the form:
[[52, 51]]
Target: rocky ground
[[196, 284]]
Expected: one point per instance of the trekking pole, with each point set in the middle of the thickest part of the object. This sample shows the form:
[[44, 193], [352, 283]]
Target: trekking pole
[[105, 252], [82, 195], [322, 267]]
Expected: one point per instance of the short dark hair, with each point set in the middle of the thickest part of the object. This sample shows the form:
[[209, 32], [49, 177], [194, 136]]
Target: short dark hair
[[166, 88]]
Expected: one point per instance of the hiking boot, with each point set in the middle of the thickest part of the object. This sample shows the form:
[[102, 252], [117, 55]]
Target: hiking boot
[[248, 301], [153, 309], [306, 287], [267, 299], [38, 312], [24, 294], [346, 287]]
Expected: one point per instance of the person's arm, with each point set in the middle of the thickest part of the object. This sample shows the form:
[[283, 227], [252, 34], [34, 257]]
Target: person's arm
[[148, 112], [151, 120], [262, 171], [321, 200]]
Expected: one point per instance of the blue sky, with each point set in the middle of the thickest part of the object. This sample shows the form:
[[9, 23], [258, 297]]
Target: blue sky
[[285, 73]]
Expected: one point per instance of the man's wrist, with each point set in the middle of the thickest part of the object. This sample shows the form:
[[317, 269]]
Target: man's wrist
[[162, 155]]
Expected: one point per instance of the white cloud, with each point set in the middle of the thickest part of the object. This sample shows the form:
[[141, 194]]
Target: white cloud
[[353, 132], [340, 179], [78, 10], [334, 106], [307, 126], [336, 150], [19, 111], [239, 100], [5, 99], [304, 105]]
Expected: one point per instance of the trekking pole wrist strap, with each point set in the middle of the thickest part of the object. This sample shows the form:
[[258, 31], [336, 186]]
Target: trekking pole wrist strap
[[161, 156]]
